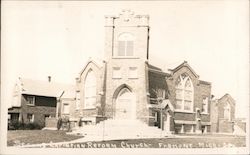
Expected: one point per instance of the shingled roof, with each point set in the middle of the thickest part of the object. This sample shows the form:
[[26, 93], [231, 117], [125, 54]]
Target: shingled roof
[[45, 88]]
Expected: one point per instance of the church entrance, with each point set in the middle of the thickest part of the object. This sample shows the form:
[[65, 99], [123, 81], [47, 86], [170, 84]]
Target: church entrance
[[125, 106]]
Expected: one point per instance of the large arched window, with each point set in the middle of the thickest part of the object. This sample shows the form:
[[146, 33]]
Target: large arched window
[[90, 90], [227, 110], [125, 45], [184, 93]]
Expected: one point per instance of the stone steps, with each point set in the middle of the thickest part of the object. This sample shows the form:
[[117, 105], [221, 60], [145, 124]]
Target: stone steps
[[120, 128]]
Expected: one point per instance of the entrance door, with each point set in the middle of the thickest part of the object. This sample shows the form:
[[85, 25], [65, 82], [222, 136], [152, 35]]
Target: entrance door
[[125, 105]]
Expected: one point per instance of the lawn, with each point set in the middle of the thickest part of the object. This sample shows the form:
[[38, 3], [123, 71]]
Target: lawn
[[16, 137], [25, 137]]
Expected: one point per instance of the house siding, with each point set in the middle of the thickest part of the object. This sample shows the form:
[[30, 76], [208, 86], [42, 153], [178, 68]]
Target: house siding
[[43, 106]]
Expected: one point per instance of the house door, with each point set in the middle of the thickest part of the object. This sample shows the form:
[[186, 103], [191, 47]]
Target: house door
[[125, 105]]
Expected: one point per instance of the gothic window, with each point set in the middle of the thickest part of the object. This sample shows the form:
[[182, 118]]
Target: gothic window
[[227, 110], [90, 90], [184, 93], [125, 45], [205, 105]]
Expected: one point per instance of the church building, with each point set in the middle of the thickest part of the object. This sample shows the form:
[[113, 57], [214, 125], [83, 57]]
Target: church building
[[125, 86]]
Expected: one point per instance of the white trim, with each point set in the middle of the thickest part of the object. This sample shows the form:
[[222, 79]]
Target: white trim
[[183, 111], [184, 122]]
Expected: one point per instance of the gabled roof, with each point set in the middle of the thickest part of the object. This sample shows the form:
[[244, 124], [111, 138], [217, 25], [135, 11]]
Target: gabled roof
[[163, 105], [43, 88], [228, 97], [96, 62], [184, 64]]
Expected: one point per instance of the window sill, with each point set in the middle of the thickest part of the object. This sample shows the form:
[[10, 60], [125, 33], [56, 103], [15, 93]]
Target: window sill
[[205, 113], [126, 57], [116, 78], [133, 78], [89, 108], [32, 105], [183, 111]]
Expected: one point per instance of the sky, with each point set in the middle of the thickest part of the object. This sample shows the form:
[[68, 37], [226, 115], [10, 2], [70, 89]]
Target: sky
[[44, 38]]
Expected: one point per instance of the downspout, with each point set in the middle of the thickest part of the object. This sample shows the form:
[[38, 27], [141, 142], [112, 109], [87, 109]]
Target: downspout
[[58, 106]]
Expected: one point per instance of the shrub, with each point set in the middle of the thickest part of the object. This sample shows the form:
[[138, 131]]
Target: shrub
[[23, 126]]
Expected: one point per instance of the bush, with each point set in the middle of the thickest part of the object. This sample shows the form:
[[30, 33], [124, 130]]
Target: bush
[[23, 126]]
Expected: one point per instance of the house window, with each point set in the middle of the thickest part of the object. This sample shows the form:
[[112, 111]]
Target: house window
[[125, 45], [184, 93], [205, 105], [77, 100], [65, 108], [227, 110], [31, 100], [132, 72], [117, 73], [90, 90], [30, 118]]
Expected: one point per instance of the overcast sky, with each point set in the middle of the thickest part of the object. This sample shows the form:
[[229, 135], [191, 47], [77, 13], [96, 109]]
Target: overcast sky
[[56, 38]]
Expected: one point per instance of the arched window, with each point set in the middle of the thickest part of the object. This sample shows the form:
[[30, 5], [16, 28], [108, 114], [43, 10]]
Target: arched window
[[125, 45], [227, 110], [184, 93], [90, 90]]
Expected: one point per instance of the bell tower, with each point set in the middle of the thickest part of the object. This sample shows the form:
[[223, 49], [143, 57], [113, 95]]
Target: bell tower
[[126, 54], [126, 36]]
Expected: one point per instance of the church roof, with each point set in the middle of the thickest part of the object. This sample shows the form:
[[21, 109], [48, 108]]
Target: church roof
[[158, 70]]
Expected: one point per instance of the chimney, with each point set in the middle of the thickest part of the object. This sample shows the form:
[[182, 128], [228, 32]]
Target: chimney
[[49, 78]]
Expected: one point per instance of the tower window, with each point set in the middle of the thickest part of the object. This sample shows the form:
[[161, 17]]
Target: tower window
[[125, 45]]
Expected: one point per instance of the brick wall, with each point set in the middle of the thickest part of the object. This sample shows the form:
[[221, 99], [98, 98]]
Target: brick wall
[[225, 126], [43, 106]]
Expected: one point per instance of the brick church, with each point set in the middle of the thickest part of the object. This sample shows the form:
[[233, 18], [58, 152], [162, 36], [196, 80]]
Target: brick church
[[125, 86]]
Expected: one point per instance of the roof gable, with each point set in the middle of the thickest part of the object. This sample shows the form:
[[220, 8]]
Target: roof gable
[[184, 64], [227, 97], [91, 61]]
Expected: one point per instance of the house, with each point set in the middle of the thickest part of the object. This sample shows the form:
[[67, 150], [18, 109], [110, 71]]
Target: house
[[223, 114], [125, 86], [34, 101]]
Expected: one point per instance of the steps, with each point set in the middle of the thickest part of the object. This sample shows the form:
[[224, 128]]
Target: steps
[[120, 129]]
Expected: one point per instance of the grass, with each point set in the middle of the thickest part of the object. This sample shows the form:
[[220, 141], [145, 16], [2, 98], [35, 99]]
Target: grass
[[22, 137], [16, 137]]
